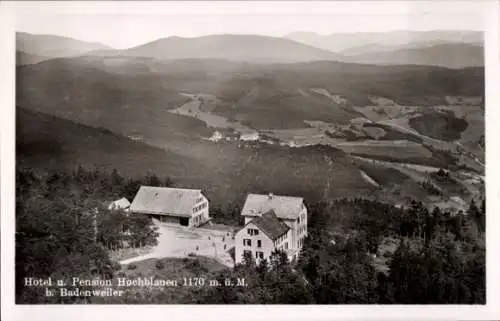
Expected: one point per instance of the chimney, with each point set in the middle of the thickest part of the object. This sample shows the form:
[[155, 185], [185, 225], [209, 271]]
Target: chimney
[[270, 196]]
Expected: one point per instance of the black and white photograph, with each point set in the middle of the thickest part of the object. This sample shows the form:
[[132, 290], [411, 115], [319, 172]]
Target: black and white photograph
[[215, 154]]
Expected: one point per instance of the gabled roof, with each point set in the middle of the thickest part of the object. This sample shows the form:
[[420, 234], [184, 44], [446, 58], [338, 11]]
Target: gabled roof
[[285, 207], [165, 200], [270, 225]]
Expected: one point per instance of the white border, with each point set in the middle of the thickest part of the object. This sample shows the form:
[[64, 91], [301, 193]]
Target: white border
[[193, 312]]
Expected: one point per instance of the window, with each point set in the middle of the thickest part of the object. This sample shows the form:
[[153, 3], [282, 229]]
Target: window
[[286, 245], [247, 242], [247, 253], [252, 231], [259, 243], [259, 255]]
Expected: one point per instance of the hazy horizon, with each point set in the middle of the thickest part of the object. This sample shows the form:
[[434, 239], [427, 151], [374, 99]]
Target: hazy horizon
[[125, 25], [243, 34]]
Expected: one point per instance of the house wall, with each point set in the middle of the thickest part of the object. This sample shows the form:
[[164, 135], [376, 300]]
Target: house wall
[[267, 245], [298, 229], [283, 243], [200, 211], [302, 227]]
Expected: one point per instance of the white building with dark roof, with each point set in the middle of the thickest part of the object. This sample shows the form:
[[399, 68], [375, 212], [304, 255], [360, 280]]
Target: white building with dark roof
[[185, 207], [261, 236], [290, 211]]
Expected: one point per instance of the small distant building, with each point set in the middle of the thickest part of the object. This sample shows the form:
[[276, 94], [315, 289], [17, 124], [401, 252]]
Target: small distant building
[[261, 236], [217, 136], [289, 210], [250, 137], [136, 138], [185, 207], [121, 204]]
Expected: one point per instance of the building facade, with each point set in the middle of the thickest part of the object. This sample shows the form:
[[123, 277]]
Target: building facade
[[260, 237], [185, 207], [291, 211]]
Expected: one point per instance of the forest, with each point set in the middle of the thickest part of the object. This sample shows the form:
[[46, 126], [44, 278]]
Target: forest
[[63, 229]]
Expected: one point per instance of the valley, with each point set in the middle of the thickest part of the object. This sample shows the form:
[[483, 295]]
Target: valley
[[281, 119]]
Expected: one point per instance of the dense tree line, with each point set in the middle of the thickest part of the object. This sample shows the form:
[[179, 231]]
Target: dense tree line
[[440, 259], [64, 229]]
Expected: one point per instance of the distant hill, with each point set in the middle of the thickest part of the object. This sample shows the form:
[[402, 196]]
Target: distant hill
[[340, 42], [246, 48], [445, 55], [23, 58], [51, 46]]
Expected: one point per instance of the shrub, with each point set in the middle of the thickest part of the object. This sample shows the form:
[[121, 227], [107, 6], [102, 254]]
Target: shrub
[[132, 267], [159, 265]]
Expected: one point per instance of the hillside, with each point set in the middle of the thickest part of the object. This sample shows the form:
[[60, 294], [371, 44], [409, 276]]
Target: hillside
[[53, 46], [445, 55], [246, 48], [51, 143], [353, 110], [227, 173]]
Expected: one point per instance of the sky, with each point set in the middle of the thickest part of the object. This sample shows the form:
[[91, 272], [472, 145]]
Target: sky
[[129, 24]]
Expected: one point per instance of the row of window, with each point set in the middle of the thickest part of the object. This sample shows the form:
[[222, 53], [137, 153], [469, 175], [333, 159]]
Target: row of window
[[301, 218], [258, 254], [280, 240], [248, 242], [302, 229], [199, 200], [199, 207]]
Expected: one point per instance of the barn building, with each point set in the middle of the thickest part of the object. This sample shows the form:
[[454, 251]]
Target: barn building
[[185, 207], [261, 213]]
